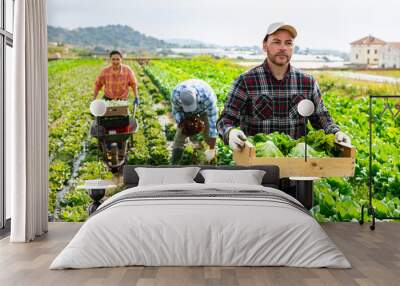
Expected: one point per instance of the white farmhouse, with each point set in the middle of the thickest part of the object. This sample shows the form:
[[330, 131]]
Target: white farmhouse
[[366, 51], [390, 56]]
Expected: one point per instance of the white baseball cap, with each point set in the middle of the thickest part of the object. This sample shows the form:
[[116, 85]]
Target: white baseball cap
[[188, 99], [281, 26]]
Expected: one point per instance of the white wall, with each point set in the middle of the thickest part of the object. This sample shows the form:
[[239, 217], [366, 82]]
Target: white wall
[[366, 54], [390, 57]]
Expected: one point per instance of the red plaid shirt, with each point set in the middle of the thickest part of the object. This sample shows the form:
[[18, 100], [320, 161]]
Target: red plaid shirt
[[116, 83], [259, 103]]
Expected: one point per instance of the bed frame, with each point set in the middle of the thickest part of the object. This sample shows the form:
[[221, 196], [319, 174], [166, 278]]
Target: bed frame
[[270, 179]]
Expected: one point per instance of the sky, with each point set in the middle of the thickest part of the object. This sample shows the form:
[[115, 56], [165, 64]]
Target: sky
[[321, 24]]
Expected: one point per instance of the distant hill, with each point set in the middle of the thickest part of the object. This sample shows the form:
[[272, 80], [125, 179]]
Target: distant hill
[[106, 37], [308, 51], [188, 43]]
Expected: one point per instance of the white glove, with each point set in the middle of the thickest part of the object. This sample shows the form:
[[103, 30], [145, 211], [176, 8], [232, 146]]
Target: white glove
[[209, 154], [341, 137], [236, 139]]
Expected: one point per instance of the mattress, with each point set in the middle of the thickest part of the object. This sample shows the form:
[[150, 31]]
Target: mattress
[[201, 225]]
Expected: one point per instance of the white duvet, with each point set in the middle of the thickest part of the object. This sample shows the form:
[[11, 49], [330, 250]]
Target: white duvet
[[188, 231]]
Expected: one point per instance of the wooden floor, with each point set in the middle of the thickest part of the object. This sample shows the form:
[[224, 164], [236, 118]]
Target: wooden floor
[[375, 256]]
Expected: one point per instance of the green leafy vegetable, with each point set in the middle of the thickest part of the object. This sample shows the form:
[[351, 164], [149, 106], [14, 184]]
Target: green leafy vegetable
[[267, 149], [299, 151], [321, 142]]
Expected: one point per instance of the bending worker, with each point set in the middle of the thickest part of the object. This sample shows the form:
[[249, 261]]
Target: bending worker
[[264, 99], [194, 107], [116, 79]]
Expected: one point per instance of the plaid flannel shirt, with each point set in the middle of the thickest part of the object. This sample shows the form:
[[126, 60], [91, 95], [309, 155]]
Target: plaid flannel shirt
[[259, 103], [206, 102], [116, 84]]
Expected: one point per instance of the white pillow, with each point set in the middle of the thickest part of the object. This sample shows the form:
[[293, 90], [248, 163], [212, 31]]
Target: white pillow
[[249, 177], [166, 176]]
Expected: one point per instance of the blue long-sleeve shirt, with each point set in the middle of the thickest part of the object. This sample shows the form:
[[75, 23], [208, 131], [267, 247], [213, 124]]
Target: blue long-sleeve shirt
[[206, 102]]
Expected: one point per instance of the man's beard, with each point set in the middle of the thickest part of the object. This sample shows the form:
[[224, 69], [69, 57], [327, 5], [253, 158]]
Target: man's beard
[[272, 59]]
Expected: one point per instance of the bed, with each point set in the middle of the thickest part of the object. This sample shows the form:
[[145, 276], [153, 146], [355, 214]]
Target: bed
[[201, 224]]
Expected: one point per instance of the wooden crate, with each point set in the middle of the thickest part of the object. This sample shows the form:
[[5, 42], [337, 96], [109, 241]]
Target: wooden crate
[[117, 111], [342, 166]]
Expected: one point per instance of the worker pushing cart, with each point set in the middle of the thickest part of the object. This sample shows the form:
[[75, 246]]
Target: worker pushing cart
[[113, 125]]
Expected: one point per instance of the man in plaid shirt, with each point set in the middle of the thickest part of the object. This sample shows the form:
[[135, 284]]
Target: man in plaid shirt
[[264, 99], [116, 79], [190, 98]]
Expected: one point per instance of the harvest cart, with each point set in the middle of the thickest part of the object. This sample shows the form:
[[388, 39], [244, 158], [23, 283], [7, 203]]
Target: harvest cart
[[113, 130]]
